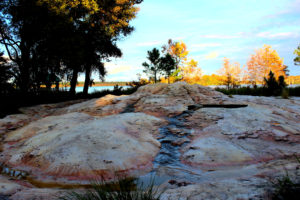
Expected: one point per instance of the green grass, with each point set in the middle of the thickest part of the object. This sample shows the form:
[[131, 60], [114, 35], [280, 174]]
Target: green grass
[[286, 188], [120, 190]]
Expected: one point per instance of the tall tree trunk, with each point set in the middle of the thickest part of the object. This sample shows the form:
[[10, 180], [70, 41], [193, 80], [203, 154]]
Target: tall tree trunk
[[87, 80], [24, 65], [24, 79], [74, 81]]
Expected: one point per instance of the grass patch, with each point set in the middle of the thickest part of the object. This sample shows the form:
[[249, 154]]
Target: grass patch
[[125, 189], [286, 188]]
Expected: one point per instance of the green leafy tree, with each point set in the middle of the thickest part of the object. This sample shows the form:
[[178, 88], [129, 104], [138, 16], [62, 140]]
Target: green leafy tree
[[153, 67], [274, 87], [100, 24], [55, 37], [167, 65]]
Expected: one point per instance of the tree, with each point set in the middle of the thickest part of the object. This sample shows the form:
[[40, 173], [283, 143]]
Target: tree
[[109, 19], [6, 74], [230, 73], [15, 25], [86, 30], [297, 59], [36, 41], [153, 68], [167, 65], [262, 62], [177, 50], [273, 86], [191, 73], [210, 80]]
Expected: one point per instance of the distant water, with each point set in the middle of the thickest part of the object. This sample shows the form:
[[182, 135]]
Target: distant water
[[224, 86], [101, 88], [97, 88]]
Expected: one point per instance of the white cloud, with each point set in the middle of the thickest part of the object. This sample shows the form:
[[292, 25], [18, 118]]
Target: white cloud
[[211, 55], [283, 35], [116, 69]]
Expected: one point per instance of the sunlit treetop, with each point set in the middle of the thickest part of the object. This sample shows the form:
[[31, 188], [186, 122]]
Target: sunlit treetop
[[191, 73], [297, 59], [114, 14], [178, 50]]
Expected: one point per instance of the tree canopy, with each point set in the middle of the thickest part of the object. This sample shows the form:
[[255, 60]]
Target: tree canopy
[[153, 67], [262, 62], [53, 38], [297, 59]]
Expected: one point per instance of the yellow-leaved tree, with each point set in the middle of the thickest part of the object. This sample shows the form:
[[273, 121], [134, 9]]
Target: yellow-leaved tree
[[262, 62], [191, 73], [177, 50], [230, 74]]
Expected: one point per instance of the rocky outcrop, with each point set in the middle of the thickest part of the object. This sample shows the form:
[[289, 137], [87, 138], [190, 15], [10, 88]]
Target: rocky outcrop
[[200, 143], [76, 148]]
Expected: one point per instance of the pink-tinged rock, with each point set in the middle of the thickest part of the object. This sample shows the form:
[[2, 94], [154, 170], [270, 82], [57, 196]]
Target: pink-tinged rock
[[213, 151], [9, 187], [172, 99], [230, 189], [89, 106], [12, 122], [38, 194], [76, 148]]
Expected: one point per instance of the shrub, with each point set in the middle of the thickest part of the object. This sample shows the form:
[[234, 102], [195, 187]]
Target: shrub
[[285, 94], [285, 188], [125, 189]]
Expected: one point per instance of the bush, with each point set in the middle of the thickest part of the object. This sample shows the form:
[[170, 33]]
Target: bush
[[125, 189], [285, 188], [285, 94]]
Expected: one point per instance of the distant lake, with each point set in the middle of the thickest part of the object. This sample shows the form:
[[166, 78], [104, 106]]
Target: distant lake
[[97, 88], [224, 86], [101, 88]]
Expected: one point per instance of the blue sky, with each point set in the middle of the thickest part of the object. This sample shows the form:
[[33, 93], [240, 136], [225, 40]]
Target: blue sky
[[212, 30]]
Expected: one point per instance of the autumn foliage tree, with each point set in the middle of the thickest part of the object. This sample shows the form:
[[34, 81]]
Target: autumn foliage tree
[[262, 62], [191, 73], [231, 74], [178, 50], [297, 59]]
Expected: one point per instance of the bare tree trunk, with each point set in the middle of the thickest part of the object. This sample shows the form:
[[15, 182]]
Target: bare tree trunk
[[87, 80], [74, 81]]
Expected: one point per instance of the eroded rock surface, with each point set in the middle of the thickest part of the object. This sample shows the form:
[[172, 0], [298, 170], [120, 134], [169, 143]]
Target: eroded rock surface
[[198, 143], [76, 147]]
